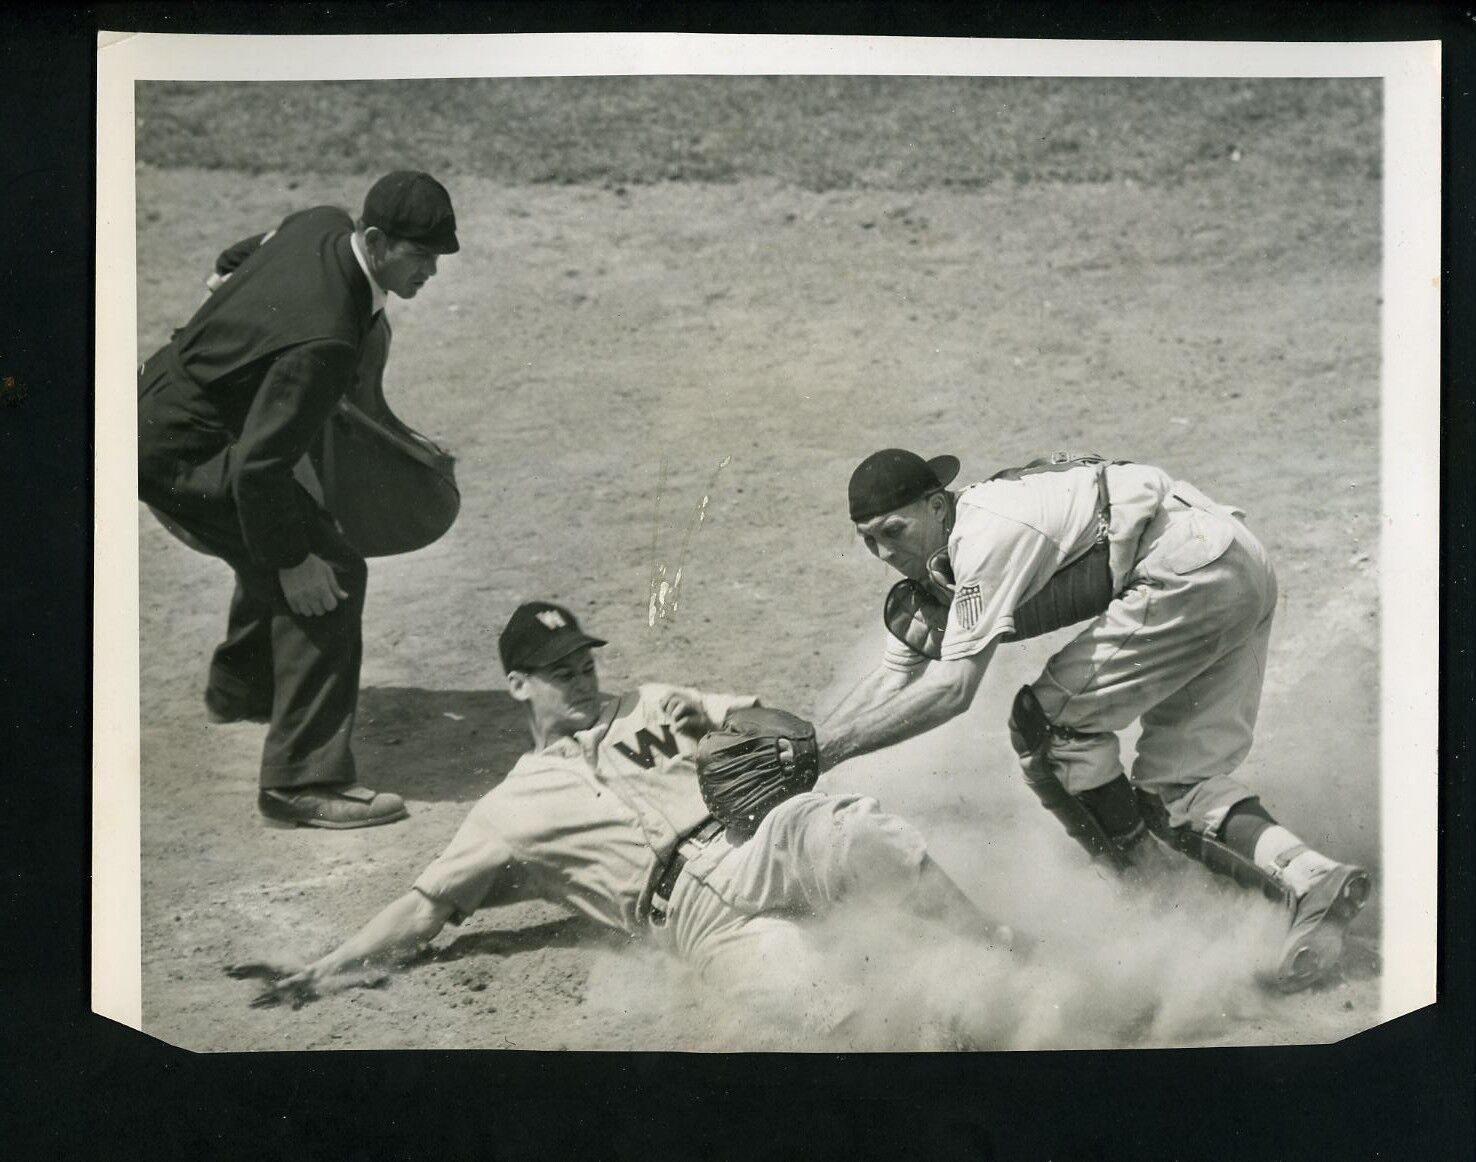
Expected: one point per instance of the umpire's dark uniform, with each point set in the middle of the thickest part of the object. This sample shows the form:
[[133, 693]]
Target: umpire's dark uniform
[[226, 411]]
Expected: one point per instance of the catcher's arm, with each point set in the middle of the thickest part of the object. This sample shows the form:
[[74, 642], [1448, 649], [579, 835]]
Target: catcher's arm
[[943, 692], [406, 924], [908, 653], [877, 686]]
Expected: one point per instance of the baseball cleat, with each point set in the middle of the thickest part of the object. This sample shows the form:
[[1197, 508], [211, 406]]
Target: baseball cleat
[[1314, 945], [336, 807]]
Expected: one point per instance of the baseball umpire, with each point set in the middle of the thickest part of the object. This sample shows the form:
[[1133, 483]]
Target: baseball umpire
[[226, 412], [666, 811], [1177, 597]]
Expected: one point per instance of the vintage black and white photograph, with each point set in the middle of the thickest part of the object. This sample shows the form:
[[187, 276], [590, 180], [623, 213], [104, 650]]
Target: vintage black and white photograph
[[752, 559]]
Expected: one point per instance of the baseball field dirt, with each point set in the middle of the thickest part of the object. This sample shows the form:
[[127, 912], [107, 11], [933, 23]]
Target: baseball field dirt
[[719, 295]]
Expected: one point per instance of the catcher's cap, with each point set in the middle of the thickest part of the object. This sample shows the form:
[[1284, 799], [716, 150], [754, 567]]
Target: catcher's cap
[[413, 205], [888, 479], [538, 634]]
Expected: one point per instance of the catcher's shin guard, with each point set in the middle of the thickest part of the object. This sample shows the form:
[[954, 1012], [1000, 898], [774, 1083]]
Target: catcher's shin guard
[[1214, 855], [1111, 826]]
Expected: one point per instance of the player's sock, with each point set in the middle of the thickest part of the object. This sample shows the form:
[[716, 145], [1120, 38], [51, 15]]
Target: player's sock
[[1250, 830], [1244, 825], [1290, 860], [1115, 808]]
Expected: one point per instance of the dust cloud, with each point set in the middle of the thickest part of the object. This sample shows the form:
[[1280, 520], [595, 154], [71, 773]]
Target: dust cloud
[[1099, 963]]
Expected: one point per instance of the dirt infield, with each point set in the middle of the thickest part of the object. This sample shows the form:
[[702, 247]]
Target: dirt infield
[[603, 357]]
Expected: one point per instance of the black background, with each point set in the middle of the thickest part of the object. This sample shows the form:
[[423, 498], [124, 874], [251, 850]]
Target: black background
[[72, 1084]]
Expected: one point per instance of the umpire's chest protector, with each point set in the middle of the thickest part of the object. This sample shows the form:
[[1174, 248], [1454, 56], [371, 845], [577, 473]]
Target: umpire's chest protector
[[391, 489]]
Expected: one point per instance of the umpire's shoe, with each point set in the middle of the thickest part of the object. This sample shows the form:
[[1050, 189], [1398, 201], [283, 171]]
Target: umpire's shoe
[[337, 807], [1314, 945]]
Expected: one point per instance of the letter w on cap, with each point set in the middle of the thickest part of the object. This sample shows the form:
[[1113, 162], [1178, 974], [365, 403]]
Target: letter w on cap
[[551, 618]]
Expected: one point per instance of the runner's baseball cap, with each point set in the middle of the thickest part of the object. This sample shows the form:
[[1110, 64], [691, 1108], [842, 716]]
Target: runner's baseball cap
[[888, 479], [410, 204], [538, 634]]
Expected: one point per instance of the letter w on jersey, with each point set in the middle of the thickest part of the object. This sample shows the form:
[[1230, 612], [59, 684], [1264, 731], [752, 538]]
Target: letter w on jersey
[[646, 742]]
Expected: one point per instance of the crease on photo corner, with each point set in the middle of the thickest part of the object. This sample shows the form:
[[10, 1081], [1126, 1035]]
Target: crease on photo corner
[[106, 40]]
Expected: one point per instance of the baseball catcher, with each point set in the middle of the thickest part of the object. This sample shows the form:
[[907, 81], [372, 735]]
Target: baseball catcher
[[1175, 598]]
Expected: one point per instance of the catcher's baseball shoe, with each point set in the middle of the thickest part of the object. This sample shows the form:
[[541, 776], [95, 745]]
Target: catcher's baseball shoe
[[1314, 945], [336, 807]]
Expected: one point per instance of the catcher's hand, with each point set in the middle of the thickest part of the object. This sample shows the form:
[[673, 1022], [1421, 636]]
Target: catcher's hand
[[753, 762]]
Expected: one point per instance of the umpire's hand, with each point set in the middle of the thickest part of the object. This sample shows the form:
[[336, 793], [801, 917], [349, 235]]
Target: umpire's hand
[[311, 587]]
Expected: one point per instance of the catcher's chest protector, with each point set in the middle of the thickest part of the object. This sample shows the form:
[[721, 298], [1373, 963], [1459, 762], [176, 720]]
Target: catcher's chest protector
[[1078, 590], [1082, 588]]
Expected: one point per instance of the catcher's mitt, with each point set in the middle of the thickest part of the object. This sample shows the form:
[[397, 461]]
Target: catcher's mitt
[[753, 762], [916, 618], [916, 612]]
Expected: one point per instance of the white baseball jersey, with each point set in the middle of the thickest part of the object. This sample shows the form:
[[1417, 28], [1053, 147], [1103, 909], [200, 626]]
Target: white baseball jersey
[[1010, 537], [587, 821], [1182, 646]]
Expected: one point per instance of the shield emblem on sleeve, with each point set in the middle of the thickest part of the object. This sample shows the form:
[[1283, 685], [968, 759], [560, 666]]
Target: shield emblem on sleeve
[[968, 606]]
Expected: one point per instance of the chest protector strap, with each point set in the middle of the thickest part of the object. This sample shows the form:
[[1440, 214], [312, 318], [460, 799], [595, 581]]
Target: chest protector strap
[[916, 612]]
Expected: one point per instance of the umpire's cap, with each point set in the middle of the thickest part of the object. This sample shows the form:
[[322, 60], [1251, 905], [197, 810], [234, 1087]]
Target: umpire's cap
[[538, 634], [410, 204], [888, 479]]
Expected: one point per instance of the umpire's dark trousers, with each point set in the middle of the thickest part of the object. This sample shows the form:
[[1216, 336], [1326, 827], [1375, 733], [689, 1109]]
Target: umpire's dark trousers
[[306, 669]]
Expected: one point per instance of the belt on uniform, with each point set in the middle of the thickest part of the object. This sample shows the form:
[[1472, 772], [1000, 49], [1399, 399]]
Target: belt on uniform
[[687, 848]]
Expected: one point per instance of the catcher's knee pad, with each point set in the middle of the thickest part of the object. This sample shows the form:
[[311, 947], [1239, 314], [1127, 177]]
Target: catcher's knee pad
[[1106, 820]]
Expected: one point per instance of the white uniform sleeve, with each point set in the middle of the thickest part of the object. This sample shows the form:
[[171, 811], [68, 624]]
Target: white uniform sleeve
[[478, 869], [997, 564], [901, 658]]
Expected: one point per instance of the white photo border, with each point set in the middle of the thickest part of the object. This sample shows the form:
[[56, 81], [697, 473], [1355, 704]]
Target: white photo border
[[1410, 378]]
